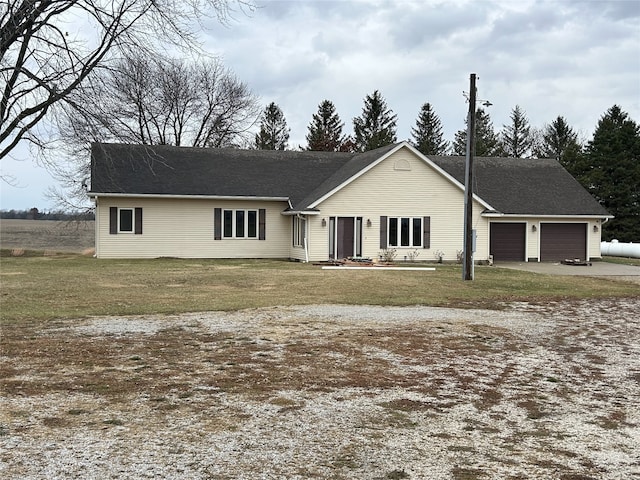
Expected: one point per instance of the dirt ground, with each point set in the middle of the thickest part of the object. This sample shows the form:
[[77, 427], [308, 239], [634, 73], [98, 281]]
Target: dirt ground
[[343, 392]]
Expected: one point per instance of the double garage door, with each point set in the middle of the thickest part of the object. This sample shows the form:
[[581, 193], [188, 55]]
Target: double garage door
[[558, 241]]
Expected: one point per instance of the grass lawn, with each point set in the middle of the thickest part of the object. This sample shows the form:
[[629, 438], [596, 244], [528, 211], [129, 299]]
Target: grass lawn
[[69, 285]]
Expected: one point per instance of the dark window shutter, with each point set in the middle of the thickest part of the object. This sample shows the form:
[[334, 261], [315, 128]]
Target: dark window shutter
[[217, 224], [262, 221], [426, 232], [383, 232], [113, 220], [138, 221]]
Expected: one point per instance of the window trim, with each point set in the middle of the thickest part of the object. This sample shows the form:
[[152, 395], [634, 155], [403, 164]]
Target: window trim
[[235, 215], [405, 227], [133, 219], [115, 220]]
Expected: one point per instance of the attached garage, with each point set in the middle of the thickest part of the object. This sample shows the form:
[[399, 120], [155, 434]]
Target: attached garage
[[507, 241], [560, 241]]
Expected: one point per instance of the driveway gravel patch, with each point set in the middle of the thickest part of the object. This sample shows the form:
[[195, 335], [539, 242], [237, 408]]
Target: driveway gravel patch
[[327, 391]]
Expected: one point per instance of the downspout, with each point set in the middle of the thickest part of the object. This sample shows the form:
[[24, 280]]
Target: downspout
[[96, 228]]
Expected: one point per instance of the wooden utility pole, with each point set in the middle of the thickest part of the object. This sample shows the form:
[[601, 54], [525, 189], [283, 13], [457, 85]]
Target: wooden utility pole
[[467, 265]]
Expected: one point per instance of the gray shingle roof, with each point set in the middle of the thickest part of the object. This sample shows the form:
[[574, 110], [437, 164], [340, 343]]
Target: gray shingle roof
[[524, 186], [510, 186], [169, 170]]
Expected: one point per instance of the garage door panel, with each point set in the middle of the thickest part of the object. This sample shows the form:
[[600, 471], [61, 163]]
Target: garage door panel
[[560, 241], [507, 241]]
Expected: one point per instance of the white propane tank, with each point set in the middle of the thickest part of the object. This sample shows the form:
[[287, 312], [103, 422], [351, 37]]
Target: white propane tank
[[617, 249]]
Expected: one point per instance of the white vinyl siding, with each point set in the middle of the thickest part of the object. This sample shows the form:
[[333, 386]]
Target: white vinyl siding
[[184, 228], [391, 192]]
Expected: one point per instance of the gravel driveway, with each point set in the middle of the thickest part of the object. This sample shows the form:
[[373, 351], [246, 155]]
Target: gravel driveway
[[343, 392]]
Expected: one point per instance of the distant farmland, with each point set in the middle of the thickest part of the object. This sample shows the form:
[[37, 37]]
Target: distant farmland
[[59, 236]]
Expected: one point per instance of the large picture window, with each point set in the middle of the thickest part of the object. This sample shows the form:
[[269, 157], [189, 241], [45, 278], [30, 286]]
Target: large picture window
[[240, 223], [405, 231]]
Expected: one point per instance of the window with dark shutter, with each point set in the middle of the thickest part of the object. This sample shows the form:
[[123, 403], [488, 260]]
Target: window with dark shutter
[[262, 220], [138, 221], [113, 220], [426, 232], [217, 224], [252, 224], [383, 232]]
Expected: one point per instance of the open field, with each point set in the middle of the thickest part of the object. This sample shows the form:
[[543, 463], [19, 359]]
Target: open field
[[237, 369], [56, 236]]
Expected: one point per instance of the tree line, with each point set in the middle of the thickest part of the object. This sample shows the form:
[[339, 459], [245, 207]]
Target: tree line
[[608, 165], [35, 214]]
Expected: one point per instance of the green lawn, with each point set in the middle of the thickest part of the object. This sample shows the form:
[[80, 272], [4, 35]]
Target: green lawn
[[67, 286]]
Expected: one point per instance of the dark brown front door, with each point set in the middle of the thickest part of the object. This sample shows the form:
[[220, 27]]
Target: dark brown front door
[[345, 241]]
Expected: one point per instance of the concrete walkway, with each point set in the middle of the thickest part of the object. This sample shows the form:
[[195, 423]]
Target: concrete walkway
[[596, 269]]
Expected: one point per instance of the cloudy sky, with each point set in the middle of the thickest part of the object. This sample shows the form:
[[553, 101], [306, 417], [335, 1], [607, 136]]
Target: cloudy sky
[[569, 58]]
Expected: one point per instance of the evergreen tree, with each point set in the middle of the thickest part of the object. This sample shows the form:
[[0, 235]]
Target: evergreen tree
[[427, 134], [348, 145], [274, 132], [487, 142], [558, 140], [611, 172], [376, 127], [325, 129], [516, 137]]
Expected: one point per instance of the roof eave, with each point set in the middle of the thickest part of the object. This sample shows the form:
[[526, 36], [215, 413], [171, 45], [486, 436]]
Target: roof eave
[[494, 214], [301, 212], [188, 197]]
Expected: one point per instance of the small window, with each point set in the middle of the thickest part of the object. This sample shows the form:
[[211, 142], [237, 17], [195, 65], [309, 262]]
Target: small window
[[417, 232], [240, 223], [227, 224], [125, 224], [393, 232], [299, 231], [404, 232], [252, 224]]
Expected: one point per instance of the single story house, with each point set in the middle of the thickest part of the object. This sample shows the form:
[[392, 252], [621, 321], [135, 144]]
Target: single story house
[[166, 201]]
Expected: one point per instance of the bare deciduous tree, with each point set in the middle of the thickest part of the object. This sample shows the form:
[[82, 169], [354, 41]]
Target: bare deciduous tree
[[151, 101], [49, 47], [155, 101]]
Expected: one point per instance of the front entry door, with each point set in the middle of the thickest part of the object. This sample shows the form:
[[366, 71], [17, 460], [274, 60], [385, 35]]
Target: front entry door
[[345, 237]]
